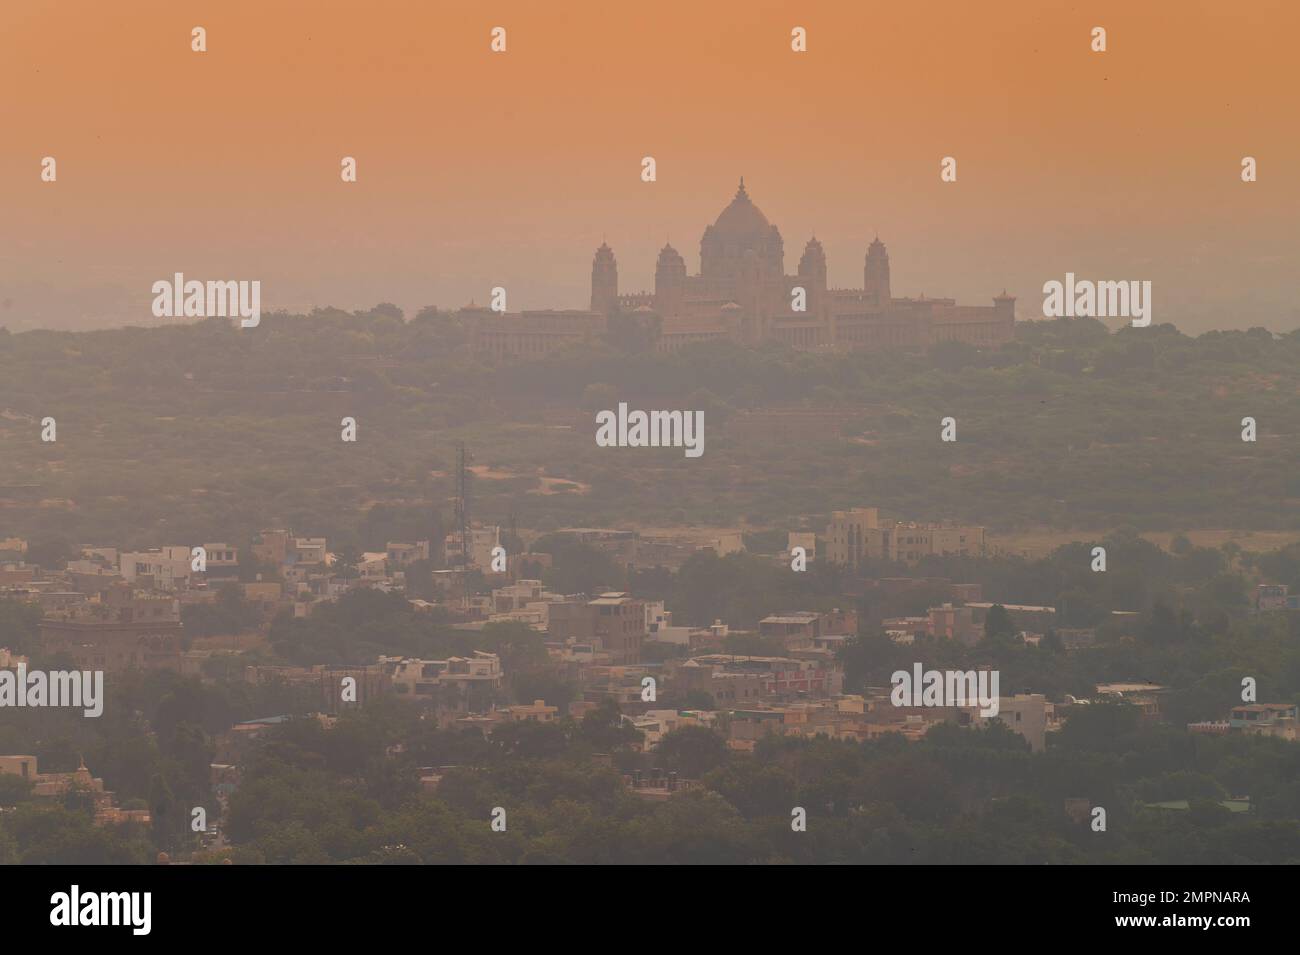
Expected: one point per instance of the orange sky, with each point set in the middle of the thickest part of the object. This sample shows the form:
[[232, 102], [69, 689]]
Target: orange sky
[[479, 169]]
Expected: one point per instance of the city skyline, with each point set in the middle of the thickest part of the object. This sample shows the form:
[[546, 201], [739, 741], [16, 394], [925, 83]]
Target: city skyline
[[488, 170], [589, 433]]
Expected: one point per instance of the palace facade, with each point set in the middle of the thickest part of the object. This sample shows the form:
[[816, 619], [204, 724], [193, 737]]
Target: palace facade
[[743, 294]]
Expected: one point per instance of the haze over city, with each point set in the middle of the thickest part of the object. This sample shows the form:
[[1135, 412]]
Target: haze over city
[[610, 434], [477, 171]]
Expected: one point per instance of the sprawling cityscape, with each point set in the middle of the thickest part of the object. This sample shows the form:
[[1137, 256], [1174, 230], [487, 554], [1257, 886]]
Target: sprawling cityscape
[[355, 513]]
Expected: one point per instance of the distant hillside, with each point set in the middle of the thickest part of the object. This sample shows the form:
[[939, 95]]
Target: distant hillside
[[207, 431]]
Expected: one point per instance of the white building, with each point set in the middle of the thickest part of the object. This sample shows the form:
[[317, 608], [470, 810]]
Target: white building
[[168, 566], [309, 550], [659, 625], [414, 678]]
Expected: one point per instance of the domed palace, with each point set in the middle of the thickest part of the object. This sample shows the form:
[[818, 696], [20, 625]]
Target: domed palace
[[742, 293]]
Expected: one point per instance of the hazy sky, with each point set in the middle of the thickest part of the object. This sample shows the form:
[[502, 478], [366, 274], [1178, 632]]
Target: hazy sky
[[479, 169]]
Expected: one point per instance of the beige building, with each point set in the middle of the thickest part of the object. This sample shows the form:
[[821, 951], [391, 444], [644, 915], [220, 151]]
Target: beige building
[[536, 712], [529, 334], [57, 785], [402, 554], [121, 629], [619, 626], [308, 550], [1024, 714], [909, 542], [730, 542], [167, 568], [851, 537], [860, 534], [1266, 719], [732, 679], [805, 539], [222, 561], [470, 680], [743, 294]]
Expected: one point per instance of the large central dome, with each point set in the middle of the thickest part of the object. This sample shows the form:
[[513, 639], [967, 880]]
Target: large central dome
[[742, 219], [741, 246]]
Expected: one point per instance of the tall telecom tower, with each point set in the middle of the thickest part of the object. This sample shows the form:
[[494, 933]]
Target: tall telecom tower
[[462, 503], [462, 519]]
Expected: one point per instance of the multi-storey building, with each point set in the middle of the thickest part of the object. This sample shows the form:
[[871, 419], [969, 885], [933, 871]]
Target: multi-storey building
[[167, 568], [860, 534], [462, 682], [731, 679], [615, 622], [1266, 719], [122, 629], [808, 629], [222, 561], [402, 554], [619, 626], [953, 623]]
